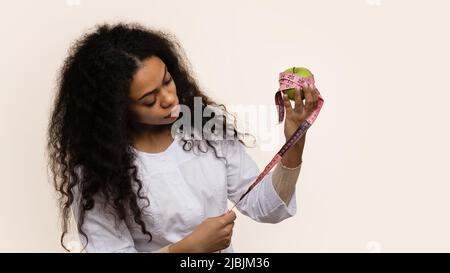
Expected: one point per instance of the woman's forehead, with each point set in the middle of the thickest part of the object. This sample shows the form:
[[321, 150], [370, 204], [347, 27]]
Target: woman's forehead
[[148, 77]]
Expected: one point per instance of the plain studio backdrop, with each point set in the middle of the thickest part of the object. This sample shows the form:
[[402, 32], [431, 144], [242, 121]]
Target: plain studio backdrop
[[375, 172]]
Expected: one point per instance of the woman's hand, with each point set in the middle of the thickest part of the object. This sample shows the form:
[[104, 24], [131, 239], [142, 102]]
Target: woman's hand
[[301, 111], [211, 235]]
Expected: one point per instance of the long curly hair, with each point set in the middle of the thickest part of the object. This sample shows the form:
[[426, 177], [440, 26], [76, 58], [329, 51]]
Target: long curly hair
[[91, 124]]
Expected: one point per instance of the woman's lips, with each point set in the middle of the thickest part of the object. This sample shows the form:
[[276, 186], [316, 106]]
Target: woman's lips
[[175, 112]]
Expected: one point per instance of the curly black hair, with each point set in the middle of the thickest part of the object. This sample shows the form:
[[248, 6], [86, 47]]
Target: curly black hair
[[91, 125]]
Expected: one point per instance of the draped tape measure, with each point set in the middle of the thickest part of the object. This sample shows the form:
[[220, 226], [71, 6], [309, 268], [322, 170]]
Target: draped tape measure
[[287, 81]]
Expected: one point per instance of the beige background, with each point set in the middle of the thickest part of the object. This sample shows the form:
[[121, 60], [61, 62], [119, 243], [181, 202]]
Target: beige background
[[375, 174]]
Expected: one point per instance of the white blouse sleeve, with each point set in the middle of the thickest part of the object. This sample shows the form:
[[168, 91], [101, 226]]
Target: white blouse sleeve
[[262, 204]]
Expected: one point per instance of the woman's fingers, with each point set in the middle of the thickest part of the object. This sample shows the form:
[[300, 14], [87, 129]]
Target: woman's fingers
[[316, 96], [298, 102], [287, 104], [229, 217], [311, 98], [309, 104]]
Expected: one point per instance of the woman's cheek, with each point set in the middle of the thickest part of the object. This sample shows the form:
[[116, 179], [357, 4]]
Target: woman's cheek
[[148, 118]]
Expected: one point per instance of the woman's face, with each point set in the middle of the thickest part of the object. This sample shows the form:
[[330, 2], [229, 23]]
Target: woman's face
[[154, 94]]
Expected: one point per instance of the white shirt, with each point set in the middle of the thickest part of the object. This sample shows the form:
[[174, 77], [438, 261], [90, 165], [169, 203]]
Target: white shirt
[[184, 188]]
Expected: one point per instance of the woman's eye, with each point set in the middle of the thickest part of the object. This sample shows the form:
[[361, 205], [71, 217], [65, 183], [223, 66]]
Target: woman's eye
[[150, 104], [168, 81]]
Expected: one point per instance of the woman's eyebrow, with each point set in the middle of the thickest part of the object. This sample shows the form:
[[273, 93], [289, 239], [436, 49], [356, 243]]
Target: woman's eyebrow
[[162, 82]]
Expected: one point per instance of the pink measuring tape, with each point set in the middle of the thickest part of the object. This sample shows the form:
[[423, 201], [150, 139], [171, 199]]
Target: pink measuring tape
[[287, 80]]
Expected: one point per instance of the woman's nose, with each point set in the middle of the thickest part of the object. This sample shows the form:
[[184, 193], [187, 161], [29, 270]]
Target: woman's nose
[[168, 98]]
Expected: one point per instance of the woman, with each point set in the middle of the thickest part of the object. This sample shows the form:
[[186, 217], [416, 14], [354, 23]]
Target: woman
[[132, 183]]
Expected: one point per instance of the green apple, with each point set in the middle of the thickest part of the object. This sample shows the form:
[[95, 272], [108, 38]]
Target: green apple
[[299, 71]]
